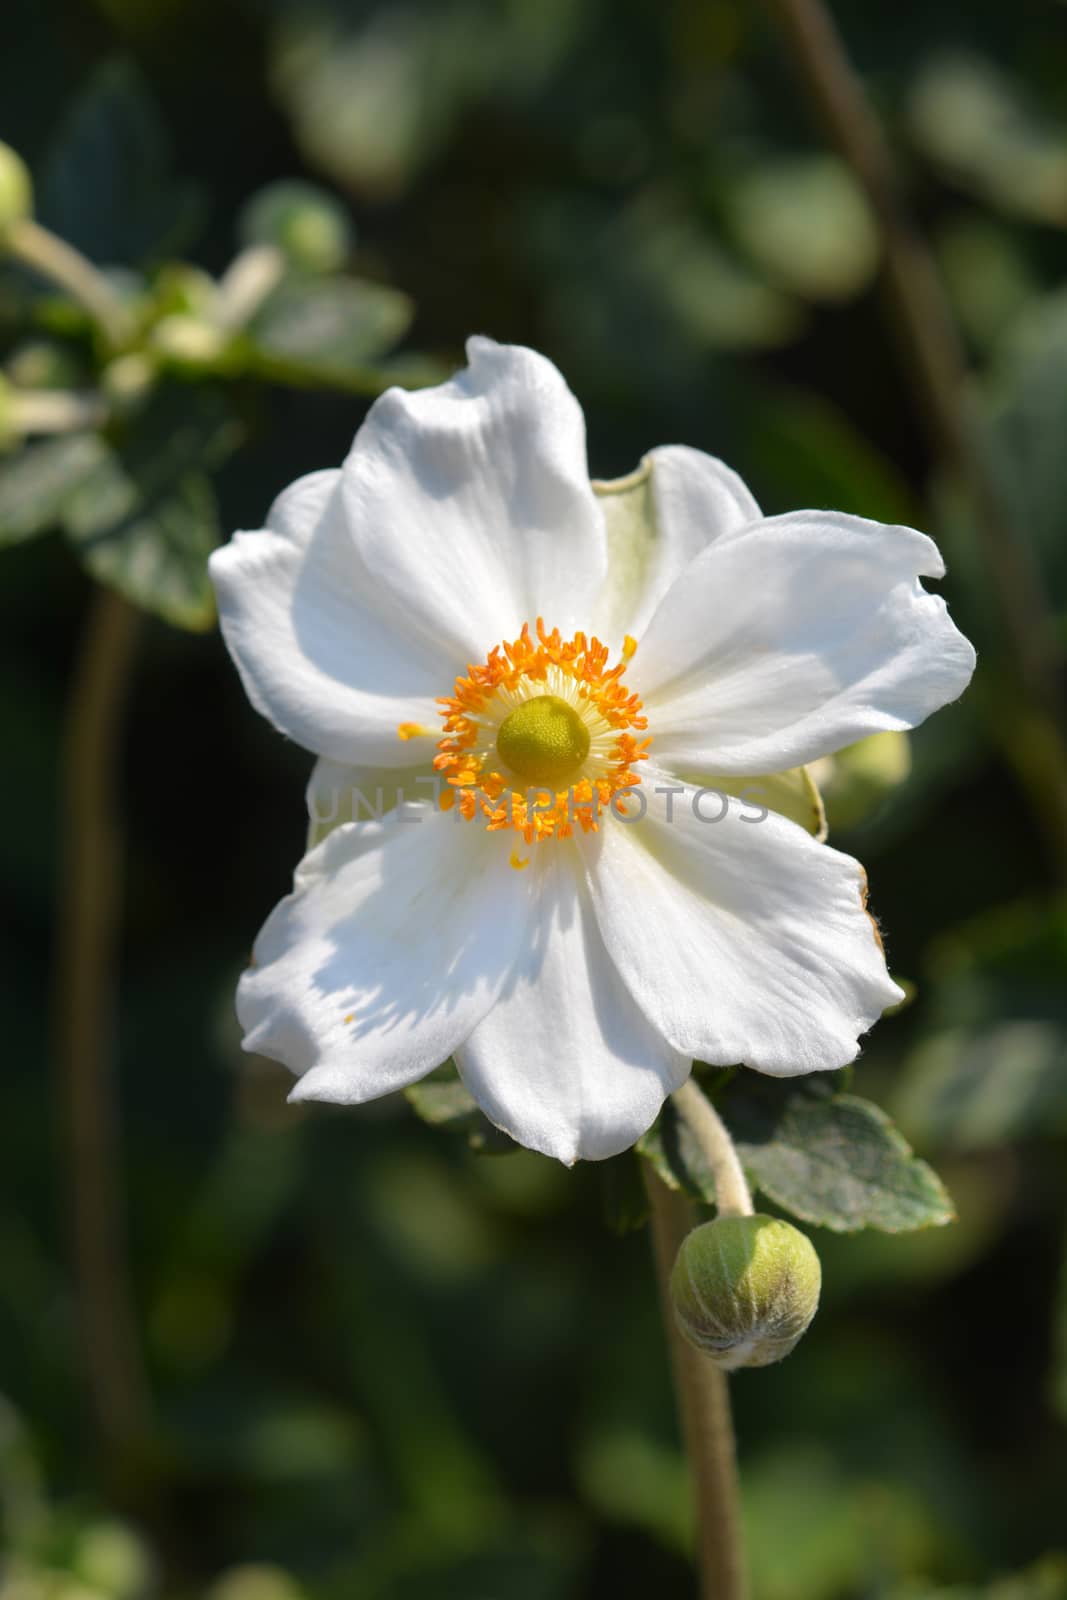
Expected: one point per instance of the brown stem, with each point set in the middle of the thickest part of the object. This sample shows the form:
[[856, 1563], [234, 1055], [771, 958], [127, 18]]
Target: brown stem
[[935, 359], [87, 933], [704, 1410]]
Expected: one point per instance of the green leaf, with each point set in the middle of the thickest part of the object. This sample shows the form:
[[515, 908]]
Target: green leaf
[[806, 223], [107, 186], [326, 330], [969, 118], [444, 1102], [832, 1159], [827, 1157], [37, 482], [967, 1089], [1045, 1580], [145, 520], [995, 1068], [625, 1202], [676, 1157], [805, 451]]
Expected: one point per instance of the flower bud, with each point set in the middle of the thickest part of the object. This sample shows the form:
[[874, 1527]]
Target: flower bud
[[307, 225], [16, 190], [745, 1289]]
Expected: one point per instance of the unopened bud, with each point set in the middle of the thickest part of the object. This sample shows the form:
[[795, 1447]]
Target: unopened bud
[[16, 190], [308, 226], [188, 340], [745, 1289]]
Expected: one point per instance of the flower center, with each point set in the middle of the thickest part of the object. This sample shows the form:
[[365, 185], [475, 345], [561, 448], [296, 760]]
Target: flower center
[[540, 737], [545, 740]]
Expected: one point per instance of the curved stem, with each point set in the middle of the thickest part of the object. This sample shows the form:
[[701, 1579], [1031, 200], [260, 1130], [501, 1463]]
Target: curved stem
[[87, 934], [66, 267], [732, 1196], [938, 371], [704, 1410]]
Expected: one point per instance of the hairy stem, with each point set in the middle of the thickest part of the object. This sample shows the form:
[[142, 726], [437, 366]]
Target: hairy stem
[[70, 271], [704, 1409], [87, 933], [732, 1197]]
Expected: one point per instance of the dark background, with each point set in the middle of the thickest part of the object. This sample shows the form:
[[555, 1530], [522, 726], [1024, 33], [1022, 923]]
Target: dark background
[[382, 1365]]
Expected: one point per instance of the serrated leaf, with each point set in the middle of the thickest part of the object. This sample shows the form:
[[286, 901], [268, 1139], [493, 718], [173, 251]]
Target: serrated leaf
[[37, 482], [146, 520], [443, 1101], [835, 1160], [827, 1157], [107, 185], [153, 549], [326, 329]]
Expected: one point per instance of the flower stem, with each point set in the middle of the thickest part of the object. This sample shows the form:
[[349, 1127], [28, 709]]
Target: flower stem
[[55, 411], [66, 267], [939, 377], [704, 1409], [246, 283], [87, 932], [732, 1196]]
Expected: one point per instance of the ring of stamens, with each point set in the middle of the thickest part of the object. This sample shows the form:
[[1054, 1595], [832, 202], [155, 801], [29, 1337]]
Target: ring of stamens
[[491, 714]]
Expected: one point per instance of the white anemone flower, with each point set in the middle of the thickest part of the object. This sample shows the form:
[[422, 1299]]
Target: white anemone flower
[[589, 706]]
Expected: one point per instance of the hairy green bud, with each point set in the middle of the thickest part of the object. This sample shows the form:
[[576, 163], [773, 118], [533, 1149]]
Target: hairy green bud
[[16, 190], [745, 1289], [308, 226]]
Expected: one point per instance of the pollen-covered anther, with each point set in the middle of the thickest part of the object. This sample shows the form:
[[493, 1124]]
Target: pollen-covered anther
[[541, 736]]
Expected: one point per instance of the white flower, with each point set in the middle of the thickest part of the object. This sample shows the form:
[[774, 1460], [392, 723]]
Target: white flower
[[437, 605]]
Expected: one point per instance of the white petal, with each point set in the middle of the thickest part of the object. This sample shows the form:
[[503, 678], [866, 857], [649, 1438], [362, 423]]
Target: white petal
[[317, 654], [740, 940], [790, 639], [565, 1062], [658, 520], [390, 950], [471, 503], [338, 793]]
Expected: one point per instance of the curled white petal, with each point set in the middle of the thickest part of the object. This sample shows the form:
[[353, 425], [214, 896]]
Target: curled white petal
[[316, 655], [741, 940], [471, 504], [790, 639]]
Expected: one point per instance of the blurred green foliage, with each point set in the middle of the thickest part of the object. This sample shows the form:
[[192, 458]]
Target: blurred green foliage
[[386, 1363]]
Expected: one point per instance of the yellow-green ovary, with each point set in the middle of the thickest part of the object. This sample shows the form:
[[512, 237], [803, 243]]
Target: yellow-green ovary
[[544, 740]]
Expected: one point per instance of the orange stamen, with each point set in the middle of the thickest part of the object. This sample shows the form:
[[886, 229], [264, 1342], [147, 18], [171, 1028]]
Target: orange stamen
[[467, 754]]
